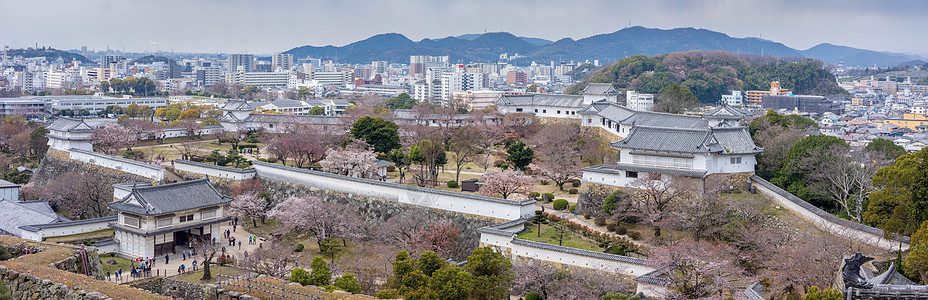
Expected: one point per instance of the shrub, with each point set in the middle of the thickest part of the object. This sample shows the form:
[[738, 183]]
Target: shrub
[[612, 201], [246, 146], [619, 249], [560, 204], [262, 159], [599, 221], [575, 183], [320, 274], [538, 212], [452, 184], [300, 276], [534, 195], [547, 197], [587, 216], [299, 248], [610, 227], [634, 235], [388, 294], [532, 296], [572, 208], [391, 168], [621, 230], [348, 283], [572, 191], [272, 160]]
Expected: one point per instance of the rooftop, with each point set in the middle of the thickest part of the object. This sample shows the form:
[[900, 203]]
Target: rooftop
[[727, 140], [169, 198]]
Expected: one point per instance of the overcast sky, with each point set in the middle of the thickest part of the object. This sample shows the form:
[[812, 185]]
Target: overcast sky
[[269, 26]]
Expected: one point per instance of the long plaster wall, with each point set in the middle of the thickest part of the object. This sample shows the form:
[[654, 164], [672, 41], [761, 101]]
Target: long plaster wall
[[155, 173], [503, 240], [424, 197], [213, 170], [40, 232], [855, 231]]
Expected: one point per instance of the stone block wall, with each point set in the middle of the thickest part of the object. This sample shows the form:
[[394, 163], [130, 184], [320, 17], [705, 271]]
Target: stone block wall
[[27, 286], [379, 210], [176, 289], [74, 264], [591, 198]]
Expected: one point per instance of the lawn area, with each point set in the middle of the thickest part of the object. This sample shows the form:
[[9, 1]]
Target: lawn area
[[77, 238], [121, 263], [214, 270], [549, 235], [769, 207]]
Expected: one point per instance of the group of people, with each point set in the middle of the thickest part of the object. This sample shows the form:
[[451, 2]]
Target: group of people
[[142, 270], [183, 268]]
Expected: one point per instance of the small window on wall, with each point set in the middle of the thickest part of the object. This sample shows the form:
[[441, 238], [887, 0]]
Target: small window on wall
[[131, 221], [631, 174], [208, 214], [186, 218], [164, 222], [735, 160], [518, 109]]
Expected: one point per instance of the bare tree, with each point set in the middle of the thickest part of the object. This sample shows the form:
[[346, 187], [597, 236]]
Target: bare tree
[[188, 150], [207, 251], [557, 143], [654, 197], [83, 196], [698, 269], [464, 146], [314, 215], [273, 259], [846, 178]]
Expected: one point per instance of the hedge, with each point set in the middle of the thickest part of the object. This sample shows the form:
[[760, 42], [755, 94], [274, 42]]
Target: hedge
[[452, 184], [560, 204]]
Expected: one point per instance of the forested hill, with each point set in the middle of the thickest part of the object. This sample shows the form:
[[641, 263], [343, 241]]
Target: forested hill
[[710, 74], [49, 54]]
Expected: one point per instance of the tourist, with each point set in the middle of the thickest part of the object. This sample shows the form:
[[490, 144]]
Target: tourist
[[183, 255], [167, 260], [239, 245], [194, 265], [107, 275]]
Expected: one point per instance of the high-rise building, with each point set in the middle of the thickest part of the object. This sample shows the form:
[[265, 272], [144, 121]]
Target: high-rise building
[[418, 64], [245, 61], [378, 67], [111, 59], [516, 77], [281, 61]]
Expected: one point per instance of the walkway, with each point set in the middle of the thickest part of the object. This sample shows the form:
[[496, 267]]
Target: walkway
[[580, 220], [175, 260]]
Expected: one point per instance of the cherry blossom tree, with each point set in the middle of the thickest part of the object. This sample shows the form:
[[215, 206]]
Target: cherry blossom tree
[[321, 218], [297, 148], [110, 138], [249, 205], [505, 184], [698, 269], [352, 161], [655, 196], [557, 144], [273, 259], [551, 283], [439, 237], [82, 196]]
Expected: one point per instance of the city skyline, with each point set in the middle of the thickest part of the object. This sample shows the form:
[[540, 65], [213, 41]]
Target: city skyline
[[178, 26]]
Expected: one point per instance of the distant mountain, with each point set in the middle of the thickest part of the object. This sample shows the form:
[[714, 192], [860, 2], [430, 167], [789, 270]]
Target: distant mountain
[[49, 54], [530, 40], [856, 57], [607, 48]]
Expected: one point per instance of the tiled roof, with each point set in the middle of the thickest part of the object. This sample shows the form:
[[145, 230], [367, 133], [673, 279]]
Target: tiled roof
[[275, 118], [13, 215], [727, 140], [7, 184], [68, 124], [599, 89], [168, 198], [37, 227], [237, 105], [724, 112], [284, 103], [38, 205], [620, 168], [581, 252], [656, 277], [216, 167]]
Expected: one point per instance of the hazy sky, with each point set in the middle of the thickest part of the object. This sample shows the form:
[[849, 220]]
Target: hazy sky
[[268, 26]]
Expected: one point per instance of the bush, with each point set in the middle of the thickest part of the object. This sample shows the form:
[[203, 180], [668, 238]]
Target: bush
[[272, 160], [320, 274], [587, 216], [621, 230], [300, 276], [299, 248], [452, 184], [391, 168], [575, 183], [634, 235], [246, 146], [388, 294], [538, 212], [560, 204], [572, 208], [532, 296], [599, 221], [572, 191], [348, 283], [534, 195], [610, 227], [618, 249], [547, 197]]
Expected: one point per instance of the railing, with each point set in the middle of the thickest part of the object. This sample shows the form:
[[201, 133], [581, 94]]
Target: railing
[[128, 276], [266, 290]]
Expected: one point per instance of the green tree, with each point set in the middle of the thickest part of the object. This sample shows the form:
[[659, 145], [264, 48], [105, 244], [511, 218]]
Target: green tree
[[320, 274], [916, 262], [303, 92], [492, 273], [300, 276], [674, 99], [429, 262], [161, 113], [317, 111], [900, 204], [189, 114], [249, 92], [210, 121], [531, 89], [451, 282], [613, 296], [885, 147], [383, 135], [402, 101], [795, 177], [611, 202], [400, 161], [520, 155], [813, 293], [133, 110], [348, 283], [172, 114]]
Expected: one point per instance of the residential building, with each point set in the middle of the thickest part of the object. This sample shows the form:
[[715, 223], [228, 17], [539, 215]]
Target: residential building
[[283, 62], [23, 107], [259, 79], [241, 62], [639, 102], [163, 219], [516, 77], [754, 99], [735, 99], [337, 78], [418, 64], [388, 91], [802, 103]]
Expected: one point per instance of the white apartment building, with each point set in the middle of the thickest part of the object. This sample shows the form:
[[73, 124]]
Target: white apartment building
[[282, 62], [735, 99], [259, 79], [337, 78], [639, 102], [245, 61]]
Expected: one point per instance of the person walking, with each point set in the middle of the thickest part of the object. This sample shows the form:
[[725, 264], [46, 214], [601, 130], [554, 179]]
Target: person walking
[[239, 245], [167, 259]]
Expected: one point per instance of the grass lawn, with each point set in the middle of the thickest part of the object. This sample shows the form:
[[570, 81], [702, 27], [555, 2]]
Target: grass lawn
[[550, 236], [214, 271], [121, 263], [769, 207], [77, 238]]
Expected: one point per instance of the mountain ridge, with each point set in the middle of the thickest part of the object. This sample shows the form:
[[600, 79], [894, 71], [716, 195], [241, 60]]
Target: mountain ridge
[[607, 47]]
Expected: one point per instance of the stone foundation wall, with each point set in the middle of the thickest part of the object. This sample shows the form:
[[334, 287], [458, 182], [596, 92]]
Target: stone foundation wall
[[58, 162], [27, 286], [591, 198], [74, 264], [177, 289], [222, 184], [379, 210]]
